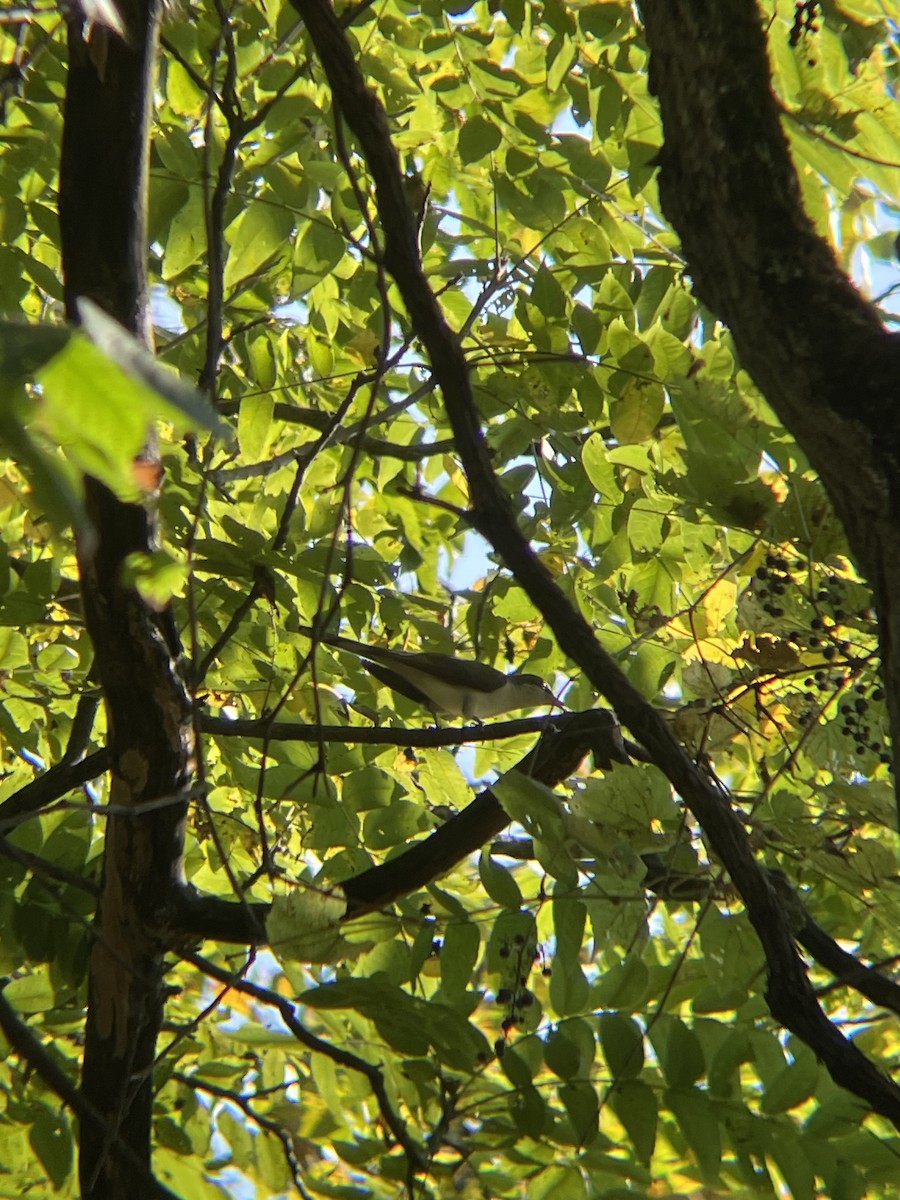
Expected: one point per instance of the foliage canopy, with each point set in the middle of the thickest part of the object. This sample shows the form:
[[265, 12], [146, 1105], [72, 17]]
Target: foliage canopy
[[580, 1009]]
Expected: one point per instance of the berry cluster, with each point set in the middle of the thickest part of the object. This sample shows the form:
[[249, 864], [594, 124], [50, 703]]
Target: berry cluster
[[770, 583], [515, 995], [830, 606], [828, 618], [805, 12], [855, 720]]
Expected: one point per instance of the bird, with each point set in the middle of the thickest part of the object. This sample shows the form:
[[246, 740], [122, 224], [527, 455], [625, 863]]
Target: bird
[[443, 683]]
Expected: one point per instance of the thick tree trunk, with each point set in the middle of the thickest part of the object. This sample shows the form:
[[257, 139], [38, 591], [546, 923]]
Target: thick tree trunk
[[103, 195]]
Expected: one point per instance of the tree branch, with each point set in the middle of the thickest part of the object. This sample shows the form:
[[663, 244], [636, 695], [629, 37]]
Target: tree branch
[[291, 414], [32, 1052], [54, 783], [789, 992], [553, 759], [343, 1058], [244, 1103], [103, 177], [376, 735]]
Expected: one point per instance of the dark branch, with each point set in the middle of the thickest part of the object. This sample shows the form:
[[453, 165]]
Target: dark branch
[[245, 1104], [553, 759], [314, 418], [32, 1052], [789, 992], [846, 967], [815, 347], [51, 786], [343, 1058], [374, 735]]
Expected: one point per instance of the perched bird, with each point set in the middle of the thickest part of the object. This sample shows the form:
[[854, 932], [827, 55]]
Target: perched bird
[[445, 684]]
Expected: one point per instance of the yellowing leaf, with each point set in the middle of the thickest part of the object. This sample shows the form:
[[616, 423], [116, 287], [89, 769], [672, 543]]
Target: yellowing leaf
[[364, 347]]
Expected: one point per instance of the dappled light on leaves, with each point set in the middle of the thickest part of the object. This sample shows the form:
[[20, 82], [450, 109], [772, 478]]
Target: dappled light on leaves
[[442, 368]]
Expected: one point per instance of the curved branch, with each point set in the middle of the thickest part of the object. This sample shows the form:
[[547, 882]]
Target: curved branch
[[344, 1058], [790, 995], [54, 783], [244, 1103], [846, 967], [553, 759], [38, 1059]]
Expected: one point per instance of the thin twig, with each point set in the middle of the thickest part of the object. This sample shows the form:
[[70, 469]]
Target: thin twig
[[33, 1053], [42, 866], [198, 673], [421, 738], [344, 1058], [229, 105], [244, 1103], [789, 993], [82, 728]]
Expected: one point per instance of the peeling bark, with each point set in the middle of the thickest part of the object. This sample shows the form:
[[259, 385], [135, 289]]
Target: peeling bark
[[103, 194]]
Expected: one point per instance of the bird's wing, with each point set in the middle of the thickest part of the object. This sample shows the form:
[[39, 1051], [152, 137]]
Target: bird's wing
[[396, 682], [457, 672], [466, 673]]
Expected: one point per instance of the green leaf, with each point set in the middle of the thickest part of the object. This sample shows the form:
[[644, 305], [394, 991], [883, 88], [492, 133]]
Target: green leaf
[[51, 1140], [369, 787], [583, 1109], [259, 234], [562, 1054], [53, 485], [570, 1047], [623, 985], [698, 1121], [255, 425], [516, 1067], [635, 415], [723, 1069], [498, 882], [794, 1165], [186, 243], [634, 1103], [407, 1023], [24, 349], [680, 1051], [184, 404], [459, 954], [599, 469], [623, 1045], [318, 251], [477, 139], [384, 827], [156, 576], [304, 925], [97, 414], [792, 1086], [535, 806], [31, 993], [628, 797], [529, 1112], [568, 984]]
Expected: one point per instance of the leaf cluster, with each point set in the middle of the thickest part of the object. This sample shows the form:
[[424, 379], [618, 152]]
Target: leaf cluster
[[550, 1017]]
